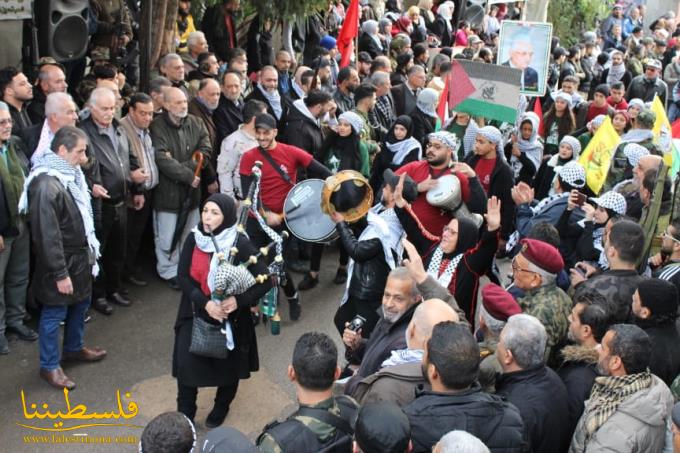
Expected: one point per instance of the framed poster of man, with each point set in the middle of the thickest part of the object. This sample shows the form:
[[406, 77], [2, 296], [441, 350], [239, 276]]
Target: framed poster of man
[[526, 46]]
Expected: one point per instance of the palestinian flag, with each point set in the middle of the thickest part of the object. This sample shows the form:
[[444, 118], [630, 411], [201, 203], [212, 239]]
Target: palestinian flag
[[482, 89]]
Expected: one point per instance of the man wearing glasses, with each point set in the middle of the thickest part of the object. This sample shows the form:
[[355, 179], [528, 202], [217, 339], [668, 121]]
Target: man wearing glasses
[[440, 160], [666, 263]]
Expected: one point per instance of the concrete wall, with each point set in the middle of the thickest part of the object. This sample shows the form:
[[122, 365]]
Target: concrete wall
[[656, 8]]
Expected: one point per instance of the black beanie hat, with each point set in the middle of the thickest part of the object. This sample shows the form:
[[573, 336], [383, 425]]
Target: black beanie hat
[[660, 296]]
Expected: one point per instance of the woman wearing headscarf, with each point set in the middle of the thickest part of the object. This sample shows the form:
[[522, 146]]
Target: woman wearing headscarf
[[384, 28], [196, 277], [404, 63], [342, 150], [524, 151], [425, 115], [402, 25], [456, 259], [370, 40], [544, 182], [591, 128], [442, 25], [425, 7], [558, 122], [620, 122], [399, 148]]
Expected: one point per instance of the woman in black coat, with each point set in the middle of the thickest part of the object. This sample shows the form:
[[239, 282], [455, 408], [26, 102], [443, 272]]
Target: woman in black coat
[[196, 262], [398, 149]]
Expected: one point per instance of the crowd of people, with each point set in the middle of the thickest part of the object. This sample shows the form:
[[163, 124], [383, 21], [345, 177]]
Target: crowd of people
[[578, 353]]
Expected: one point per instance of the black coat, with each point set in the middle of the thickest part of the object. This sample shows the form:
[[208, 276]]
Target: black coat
[[665, 359], [31, 137], [59, 243], [367, 44], [303, 132], [439, 28], [369, 276], [578, 373], [227, 117], [488, 417], [197, 371], [502, 181], [404, 100], [423, 125], [541, 398], [257, 95]]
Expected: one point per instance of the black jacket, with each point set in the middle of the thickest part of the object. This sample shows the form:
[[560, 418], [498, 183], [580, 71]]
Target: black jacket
[[488, 417], [112, 165], [642, 88], [31, 137], [502, 182], [367, 44], [59, 243], [439, 28], [370, 268], [665, 359], [36, 109], [404, 100], [227, 117], [303, 132], [423, 125], [541, 398], [257, 95], [578, 373], [617, 286], [385, 338]]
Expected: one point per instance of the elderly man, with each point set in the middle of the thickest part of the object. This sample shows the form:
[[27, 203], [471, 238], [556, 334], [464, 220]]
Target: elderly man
[[589, 320], [14, 236], [406, 94], [59, 111], [16, 92], [64, 239], [113, 166], [400, 298], [51, 79], [532, 387], [267, 91], [401, 373], [135, 125], [234, 147], [172, 67], [384, 113], [176, 136], [157, 87], [229, 112], [521, 53], [648, 85], [628, 408], [196, 45], [203, 106], [450, 365], [301, 83], [534, 270]]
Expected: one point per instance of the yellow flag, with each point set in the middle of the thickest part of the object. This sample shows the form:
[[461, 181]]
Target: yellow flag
[[598, 155], [662, 131]]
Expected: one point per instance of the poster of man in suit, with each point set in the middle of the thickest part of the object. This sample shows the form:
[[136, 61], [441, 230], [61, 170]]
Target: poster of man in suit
[[526, 46]]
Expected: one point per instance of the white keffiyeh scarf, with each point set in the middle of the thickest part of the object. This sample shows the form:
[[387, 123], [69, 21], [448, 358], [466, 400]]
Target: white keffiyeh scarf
[[435, 263]]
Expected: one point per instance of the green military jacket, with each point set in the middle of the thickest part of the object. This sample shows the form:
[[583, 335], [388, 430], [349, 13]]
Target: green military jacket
[[552, 306]]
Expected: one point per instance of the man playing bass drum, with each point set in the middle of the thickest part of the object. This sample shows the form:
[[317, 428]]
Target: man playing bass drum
[[279, 175]]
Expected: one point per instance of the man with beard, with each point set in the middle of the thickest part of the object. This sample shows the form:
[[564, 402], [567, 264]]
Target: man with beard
[[267, 91], [16, 92], [667, 262], [400, 298], [229, 112], [348, 81], [203, 106], [283, 63], [450, 364], [629, 407], [440, 160], [176, 135], [325, 76]]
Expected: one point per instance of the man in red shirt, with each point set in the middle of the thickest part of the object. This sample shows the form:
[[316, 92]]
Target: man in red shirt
[[616, 99], [274, 186], [599, 105], [440, 160]]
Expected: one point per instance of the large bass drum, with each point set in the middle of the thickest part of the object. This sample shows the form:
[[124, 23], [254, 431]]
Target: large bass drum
[[447, 195], [303, 215]]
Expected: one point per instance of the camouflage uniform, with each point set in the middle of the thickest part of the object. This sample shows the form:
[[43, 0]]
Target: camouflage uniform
[[489, 366], [617, 286], [323, 431], [550, 305], [619, 163]]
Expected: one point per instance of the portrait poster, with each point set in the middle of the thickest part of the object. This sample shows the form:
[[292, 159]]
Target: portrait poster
[[526, 46]]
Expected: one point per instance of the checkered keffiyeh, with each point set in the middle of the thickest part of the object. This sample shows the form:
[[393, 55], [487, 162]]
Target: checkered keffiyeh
[[573, 174], [494, 135], [449, 139], [634, 152], [574, 144], [612, 200]]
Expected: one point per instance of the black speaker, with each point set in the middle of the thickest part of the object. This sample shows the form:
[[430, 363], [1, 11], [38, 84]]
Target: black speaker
[[62, 28]]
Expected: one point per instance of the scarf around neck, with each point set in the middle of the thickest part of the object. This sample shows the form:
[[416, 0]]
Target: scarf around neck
[[616, 73], [273, 99], [225, 241], [73, 179], [402, 149]]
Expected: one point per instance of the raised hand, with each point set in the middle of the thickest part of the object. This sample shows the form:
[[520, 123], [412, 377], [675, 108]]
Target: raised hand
[[493, 214], [414, 263]]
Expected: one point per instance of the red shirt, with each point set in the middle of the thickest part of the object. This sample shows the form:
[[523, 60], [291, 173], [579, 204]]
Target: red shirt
[[433, 219], [622, 105], [593, 111], [273, 188], [484, 168]]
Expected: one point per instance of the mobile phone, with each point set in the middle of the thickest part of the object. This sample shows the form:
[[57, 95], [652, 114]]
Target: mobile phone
[[580, 198]]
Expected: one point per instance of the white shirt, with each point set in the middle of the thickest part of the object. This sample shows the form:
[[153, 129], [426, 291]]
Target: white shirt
[[233, 147]]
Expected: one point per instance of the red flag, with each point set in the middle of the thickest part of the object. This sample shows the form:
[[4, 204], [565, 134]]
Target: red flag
[[443, 107], [675, 129], [348, 31], [538, 110], [464, 86]]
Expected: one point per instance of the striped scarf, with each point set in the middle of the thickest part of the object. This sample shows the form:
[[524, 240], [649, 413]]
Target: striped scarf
[[608, 393]]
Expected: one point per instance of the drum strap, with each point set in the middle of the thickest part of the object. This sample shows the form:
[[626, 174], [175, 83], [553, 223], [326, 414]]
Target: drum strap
[[272, 162]]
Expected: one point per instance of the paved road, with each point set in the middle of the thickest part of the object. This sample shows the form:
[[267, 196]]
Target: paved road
[[139, 342]]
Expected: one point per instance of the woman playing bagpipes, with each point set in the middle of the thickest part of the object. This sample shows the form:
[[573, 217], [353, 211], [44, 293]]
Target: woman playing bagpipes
[[204, 250]]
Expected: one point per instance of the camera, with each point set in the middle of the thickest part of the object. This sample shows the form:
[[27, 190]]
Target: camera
[[356, 323]]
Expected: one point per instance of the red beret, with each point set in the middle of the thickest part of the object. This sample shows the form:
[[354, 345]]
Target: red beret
[[499, 303], [542, 254]]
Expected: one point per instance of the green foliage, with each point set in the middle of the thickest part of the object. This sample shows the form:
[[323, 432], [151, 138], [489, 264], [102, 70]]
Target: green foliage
[[277, 9], [570, 18]]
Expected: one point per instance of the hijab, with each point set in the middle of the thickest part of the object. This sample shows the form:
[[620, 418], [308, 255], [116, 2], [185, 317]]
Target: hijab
[[346, 150], [227, 207], [467, 236], [532, 147], [401, 148], [370, 27]]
